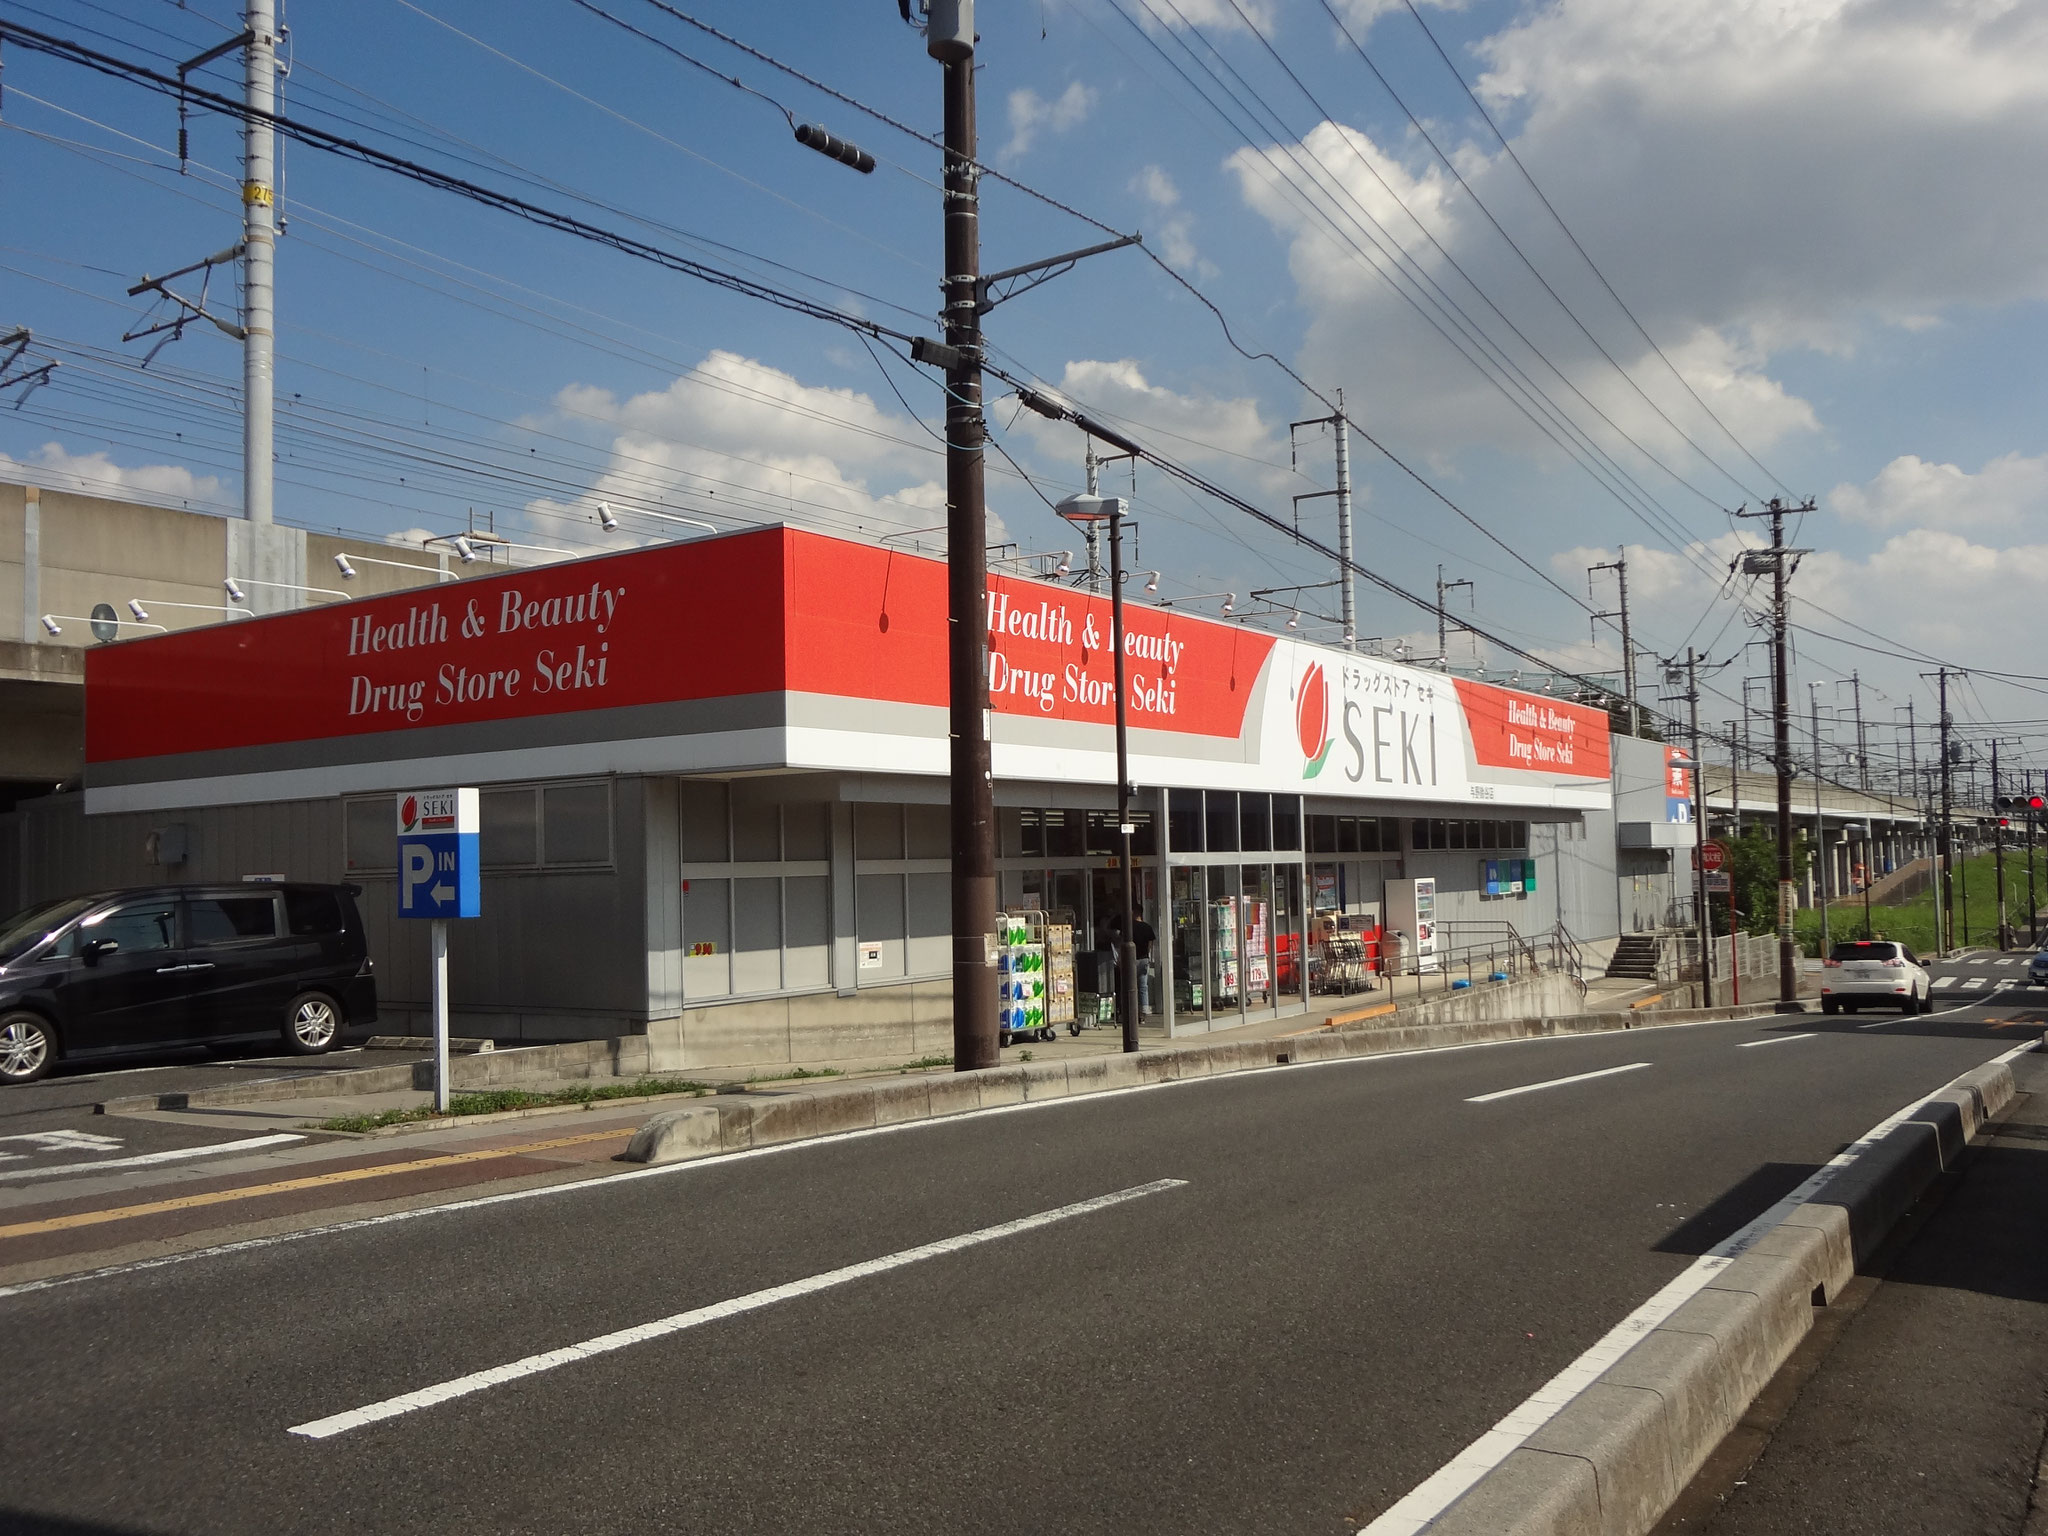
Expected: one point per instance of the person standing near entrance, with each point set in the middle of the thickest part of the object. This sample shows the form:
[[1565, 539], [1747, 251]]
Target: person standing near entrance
[[1143, 937]]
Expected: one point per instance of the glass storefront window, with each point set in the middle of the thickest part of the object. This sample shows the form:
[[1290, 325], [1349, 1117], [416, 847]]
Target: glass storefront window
[[1256, 934], [1255, 822], [1183, 820], [1286, 823], [1221, 805]]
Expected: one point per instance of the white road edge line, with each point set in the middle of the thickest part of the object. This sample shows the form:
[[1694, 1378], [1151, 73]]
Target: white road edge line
[[727, 1159], [146, 1159], [569, 1354], [1750, 1045], [1555, 1082], [1450, 1482]]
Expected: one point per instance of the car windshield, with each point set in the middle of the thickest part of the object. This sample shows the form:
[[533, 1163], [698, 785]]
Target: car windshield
[[26, 929], [1865, 950]]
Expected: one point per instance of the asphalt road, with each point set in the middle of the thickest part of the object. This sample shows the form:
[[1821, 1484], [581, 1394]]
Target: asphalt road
[[1359, 1271]]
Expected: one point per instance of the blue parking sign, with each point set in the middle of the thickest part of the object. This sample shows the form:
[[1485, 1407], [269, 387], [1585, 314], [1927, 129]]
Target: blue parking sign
[[438, 859]]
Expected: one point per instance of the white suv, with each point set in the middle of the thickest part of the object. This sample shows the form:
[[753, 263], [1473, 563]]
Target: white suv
[[1878, 972]]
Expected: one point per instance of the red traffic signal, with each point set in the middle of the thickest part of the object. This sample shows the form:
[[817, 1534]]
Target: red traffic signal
[[2036, 802]]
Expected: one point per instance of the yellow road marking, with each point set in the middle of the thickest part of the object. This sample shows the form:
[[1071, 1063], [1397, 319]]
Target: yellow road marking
[[284, 1186]]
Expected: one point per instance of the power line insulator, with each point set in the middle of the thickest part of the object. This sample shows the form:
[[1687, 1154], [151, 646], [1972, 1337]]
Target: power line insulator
[[811, 136]]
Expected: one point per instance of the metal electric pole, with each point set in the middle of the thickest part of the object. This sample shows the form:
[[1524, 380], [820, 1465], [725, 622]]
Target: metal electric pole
[[949, 38], [1774, 561], [1862, 752], [1823, 856], [1443, 653], [1998, 843], [1945, 894], [259, 251], [1619, 565], [1348, 609], [1699, 832]]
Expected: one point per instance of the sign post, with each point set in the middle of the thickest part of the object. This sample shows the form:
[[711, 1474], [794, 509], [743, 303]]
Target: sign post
[[1713, 858], [439, 877]]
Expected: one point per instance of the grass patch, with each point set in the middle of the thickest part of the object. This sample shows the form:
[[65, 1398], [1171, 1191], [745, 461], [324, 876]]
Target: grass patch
[[1911, 922], [497, 1100], [924, 1063], [797, 1072]]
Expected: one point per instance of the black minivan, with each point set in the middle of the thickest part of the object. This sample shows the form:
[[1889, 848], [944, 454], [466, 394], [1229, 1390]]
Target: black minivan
[[163, 966]]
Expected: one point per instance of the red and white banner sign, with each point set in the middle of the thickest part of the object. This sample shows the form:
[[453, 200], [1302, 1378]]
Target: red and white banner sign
[[782, 648]]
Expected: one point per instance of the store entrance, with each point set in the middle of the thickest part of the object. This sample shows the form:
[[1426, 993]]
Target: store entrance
[[1106, 905]]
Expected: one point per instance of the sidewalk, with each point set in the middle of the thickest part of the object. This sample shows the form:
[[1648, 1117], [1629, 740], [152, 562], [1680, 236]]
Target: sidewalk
[[1403, 993], [1928, 1413]]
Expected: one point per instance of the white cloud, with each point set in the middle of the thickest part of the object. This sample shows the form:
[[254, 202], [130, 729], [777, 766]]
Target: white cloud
[[1200, 428], [737, 441], [1032, 114], [1174, 235], [1653, 573], [2007, 492], [96, 474], [1934, 591]]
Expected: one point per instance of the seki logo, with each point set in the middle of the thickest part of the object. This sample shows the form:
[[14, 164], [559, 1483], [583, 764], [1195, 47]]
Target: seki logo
[[1312, 720], [409, 812]]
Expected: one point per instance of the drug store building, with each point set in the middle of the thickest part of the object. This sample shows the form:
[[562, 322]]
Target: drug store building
[[714, 791]]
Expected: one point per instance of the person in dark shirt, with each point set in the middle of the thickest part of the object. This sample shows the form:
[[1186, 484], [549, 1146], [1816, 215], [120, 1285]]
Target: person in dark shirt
[[1143, 936]]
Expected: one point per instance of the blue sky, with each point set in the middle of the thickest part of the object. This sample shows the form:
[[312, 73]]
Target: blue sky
[[1826, 214]]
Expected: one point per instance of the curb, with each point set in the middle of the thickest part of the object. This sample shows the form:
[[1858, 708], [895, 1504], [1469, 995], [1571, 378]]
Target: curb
[[1616, 1457], [707, 1130]]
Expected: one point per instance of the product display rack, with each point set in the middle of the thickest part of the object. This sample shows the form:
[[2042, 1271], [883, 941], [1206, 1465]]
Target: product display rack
[[1021, 977], [1059, 977]]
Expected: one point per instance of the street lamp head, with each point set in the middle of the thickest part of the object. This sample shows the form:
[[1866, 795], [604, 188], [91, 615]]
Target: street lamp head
[[605, 519], [1151, 581], [1230, 602], [1066, 563], [235, 593], [1087, 507], [464, 549], [1683, 764], [1294, 619], [135, 607], [52, 625], [348, 572]]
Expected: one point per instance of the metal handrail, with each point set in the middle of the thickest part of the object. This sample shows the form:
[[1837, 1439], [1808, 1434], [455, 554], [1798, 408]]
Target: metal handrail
[[1513, 936], [1566, 956]]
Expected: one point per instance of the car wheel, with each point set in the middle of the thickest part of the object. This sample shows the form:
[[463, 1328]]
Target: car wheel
[[312, 1024], [1927, 1003], [1829, 1005], [28, 1047]]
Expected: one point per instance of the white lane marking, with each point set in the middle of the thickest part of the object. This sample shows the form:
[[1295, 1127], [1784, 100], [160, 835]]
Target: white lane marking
[[2005, 984], [1973, 984], [1944, 981], [533, 1365], [1877, 1023], [67, 1141], [1450, 1482], [1749, 1045], [147, 1159], [1555, 1082], [726, 1159]]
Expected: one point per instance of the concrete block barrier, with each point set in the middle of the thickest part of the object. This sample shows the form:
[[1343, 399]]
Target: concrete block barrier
[[1613, 1460]]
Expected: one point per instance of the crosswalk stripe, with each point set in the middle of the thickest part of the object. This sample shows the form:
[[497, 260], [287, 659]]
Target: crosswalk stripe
[[1943, 981], [2005, 983], [1974, 984]]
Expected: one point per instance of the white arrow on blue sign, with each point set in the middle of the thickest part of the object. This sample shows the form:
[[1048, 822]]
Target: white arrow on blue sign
[[439, 870]]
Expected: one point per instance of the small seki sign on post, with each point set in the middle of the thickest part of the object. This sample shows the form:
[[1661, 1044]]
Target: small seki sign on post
[[438, 870], [440, 875]]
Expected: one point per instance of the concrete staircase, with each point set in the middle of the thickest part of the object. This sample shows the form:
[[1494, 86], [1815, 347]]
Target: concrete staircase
[[1635, 957]]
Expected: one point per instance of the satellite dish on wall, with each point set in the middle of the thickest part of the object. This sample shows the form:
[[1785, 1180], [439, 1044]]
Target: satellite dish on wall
[[105, 625]]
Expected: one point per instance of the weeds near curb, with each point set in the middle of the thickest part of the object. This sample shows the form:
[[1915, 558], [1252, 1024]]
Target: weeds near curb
[[498, 1100]]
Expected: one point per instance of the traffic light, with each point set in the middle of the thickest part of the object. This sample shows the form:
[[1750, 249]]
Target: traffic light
[[2037, 802]]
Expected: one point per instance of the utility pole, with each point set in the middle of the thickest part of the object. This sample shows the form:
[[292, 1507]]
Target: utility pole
[[1093, 466], [1619, 565], [1699, 834], [1862, 753], [1945, 838], [1348, 609], [2033, 906], [1774, 560], [949, 38], [1998, 843], [1822, 855], [1443, 653], [259, 251]]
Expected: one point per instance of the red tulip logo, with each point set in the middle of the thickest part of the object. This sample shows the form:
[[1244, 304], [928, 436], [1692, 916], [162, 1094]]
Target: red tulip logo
[[409, 812], [1312, 720]]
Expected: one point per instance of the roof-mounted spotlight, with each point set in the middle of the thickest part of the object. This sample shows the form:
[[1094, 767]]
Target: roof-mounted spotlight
[[52, 625], [464, 549], [1294, 619], [1066, 563], [348, 572], [135, 607], [235, 593], [606, 518]]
